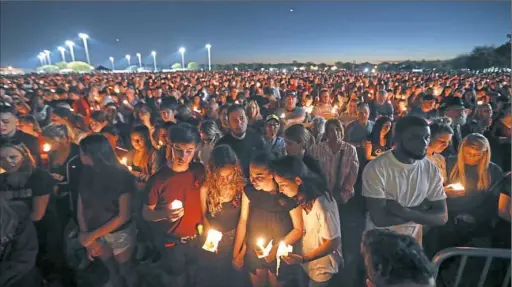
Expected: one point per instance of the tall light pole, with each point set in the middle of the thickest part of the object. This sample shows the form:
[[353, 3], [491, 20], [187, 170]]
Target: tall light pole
[[42, 58], [208, 46], [154, 59], [47, 53], [62, 53], [70, 44], [182, 51], [140, 61], [128, 58], [84, 38], [112, 62]]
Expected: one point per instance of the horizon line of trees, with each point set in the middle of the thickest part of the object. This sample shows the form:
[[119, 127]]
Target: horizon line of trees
[[480, 58]]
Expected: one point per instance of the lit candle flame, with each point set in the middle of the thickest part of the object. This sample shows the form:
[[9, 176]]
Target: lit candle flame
[[212, 240], [47, 147], [262, 250], [124, 161], [457, 186], [125, 102], [282, 116], [480, 102]]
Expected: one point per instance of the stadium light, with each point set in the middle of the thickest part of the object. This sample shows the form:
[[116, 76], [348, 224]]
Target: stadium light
[[70, 44], [154, 59], [84, 38], [47, 53], [140, 60], [62, 53], [182, 51], [208, 46], [112, 62]]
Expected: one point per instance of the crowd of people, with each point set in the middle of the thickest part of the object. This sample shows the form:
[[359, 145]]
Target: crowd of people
[[134, 169]]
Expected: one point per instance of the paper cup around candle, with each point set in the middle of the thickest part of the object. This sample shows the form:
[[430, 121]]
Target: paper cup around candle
[[282, 250], [176, 204], [212, 240]]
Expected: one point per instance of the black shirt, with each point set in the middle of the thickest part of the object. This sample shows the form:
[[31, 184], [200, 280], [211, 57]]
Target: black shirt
[[244, 148], [39, 183], [67, 175], [100, 192]]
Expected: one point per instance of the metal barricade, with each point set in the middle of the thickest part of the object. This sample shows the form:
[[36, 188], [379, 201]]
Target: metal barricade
[[465, 252]]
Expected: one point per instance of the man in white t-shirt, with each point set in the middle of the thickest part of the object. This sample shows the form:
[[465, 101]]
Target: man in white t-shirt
[[403, 189]]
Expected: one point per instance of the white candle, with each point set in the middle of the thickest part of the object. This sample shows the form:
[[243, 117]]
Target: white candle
[[47, 147], [176, 204], [212, 240]]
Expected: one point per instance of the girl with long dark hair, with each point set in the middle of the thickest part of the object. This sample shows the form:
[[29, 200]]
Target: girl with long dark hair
[[380, 139], [321, 243], [144, 160], [265, 217], [104, 213]]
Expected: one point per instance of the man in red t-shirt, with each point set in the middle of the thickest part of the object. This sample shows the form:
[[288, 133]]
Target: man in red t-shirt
[[175, 223]]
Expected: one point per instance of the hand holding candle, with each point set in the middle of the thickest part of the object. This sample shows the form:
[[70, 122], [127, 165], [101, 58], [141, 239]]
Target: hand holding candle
[[212, 240], [455, 190], [262, 250], [176, 210], [282, 250]]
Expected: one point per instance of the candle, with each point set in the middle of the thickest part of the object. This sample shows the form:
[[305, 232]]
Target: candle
[[480, 102], [125, 102], [309, 109], [282, 116], [282, 250], [457, 186], [124, 161], [176, 204], [333, 110], [47, 147], [263, 251], [212, 240]]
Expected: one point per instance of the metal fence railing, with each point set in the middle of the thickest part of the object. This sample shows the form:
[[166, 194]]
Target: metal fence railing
[[465, 252]]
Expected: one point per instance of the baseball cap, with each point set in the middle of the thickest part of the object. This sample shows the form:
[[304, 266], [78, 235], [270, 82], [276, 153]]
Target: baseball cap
[[272, 117], [427, 97]]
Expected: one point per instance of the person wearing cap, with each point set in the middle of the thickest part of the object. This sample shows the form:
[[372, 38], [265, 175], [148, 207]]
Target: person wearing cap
[[426, 109], [291, 114], [453, 108], [9, 131], [274, 142]]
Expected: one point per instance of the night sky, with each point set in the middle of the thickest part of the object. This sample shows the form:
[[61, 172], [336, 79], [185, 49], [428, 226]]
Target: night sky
[[251, 32]]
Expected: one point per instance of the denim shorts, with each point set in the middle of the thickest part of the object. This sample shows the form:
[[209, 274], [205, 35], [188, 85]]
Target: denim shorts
[[120, 240]]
